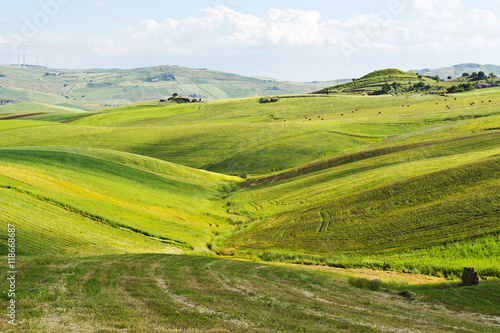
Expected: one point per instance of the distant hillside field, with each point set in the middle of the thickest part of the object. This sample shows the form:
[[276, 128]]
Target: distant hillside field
[[99, 88], [438, 81], [457, 70]]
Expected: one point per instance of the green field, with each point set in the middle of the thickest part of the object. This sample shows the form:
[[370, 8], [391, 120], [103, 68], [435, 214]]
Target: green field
[[407, 183], [172, 293], [98, 88], [129, 193]]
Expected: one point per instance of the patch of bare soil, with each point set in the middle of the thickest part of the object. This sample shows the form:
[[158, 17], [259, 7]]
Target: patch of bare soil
[[385, 276]]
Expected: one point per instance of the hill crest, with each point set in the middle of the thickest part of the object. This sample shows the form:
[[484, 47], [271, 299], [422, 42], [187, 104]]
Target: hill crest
[[457, 70], [99, 88]]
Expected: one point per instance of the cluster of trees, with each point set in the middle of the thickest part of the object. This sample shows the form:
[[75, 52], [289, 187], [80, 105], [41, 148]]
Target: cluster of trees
[[269, 99], [396, 88], [162, 77], [461, 88], [479, 76], [421, 86], [178, 99], [435, 78], [387, 88]]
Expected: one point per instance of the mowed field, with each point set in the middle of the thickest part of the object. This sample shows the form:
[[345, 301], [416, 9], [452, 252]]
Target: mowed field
[[178, 293], [404, 183]]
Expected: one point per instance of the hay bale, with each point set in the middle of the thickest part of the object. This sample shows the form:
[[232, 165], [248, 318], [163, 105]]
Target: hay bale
[[470, 277]]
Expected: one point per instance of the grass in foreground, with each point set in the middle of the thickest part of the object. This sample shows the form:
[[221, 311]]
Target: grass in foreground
[[163, 293]]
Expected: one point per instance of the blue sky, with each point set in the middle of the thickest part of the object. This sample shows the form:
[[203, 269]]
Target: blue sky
[[288, 40]]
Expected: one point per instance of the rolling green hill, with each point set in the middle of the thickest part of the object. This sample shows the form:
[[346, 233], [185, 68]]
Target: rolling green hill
[[334, 150], [98, 88], [408, 183], [127, 196], [383, 201], [457, 70], [375, 80], [396, 82]]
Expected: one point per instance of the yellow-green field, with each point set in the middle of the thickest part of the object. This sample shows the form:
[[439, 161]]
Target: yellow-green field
[[406, 183], [178, 293]]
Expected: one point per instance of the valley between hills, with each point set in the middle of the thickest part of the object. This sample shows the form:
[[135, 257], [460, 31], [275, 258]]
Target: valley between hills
[[352, 209]]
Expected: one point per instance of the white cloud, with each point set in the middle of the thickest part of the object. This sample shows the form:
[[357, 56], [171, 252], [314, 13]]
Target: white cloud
[[150, 28], [423, 28], [437, 9], [217, 25], [443, 26], [434, 25], [483, 18], [220, 25], [107, 45]]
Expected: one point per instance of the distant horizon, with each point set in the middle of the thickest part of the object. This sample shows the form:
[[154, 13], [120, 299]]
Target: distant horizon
[[237, 73], [287, 40]]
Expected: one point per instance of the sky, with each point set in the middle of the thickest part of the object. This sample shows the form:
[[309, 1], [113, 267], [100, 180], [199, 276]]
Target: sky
[[314, 40]]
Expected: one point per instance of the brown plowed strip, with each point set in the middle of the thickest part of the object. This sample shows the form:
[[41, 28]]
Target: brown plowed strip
[[351, 158], [17, 116], [373, 274]]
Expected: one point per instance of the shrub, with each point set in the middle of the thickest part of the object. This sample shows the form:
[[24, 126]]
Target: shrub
[[362, 283], [273, 99]]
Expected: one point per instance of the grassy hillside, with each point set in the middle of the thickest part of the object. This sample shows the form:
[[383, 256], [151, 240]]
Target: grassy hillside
[[131, 195], [457, 70], [98, 88], [244, 136], [375, 80], [408, 183], [166, 293], [396, 82], [359, 203], [406, 198], [337, 152]]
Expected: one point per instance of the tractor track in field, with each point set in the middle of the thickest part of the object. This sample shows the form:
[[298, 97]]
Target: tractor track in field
[[190, 305]]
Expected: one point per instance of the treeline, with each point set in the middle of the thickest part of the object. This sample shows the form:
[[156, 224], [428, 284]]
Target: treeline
[[460, 88], [397, 88]]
